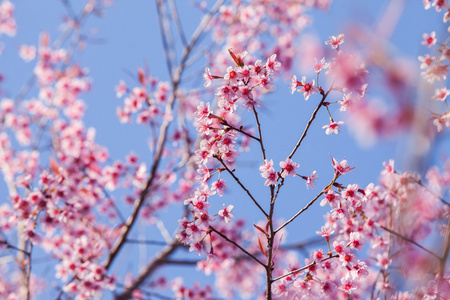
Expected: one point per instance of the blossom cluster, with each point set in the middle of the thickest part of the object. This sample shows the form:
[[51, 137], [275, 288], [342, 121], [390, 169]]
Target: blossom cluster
[[278, 22], [374, 214], [56, 199], [219, 131], [435, 67]]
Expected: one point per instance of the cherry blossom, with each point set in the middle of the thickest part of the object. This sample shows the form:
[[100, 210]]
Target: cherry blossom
[[310, 180], [208, 77], [335, 41], [429, 39], [333, 127], [27, 53], [226, 214], [288, 167], [441, 94], [307, 88], [426, 61], [341, 167]]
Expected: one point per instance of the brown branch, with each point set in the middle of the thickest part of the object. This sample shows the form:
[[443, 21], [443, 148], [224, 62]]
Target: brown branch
[[310, 203], [241, 185], [308, 124], [304, 268], [260, 134], [445, 253], [270, 244], [225, 123], [238, 246], [155, 263]]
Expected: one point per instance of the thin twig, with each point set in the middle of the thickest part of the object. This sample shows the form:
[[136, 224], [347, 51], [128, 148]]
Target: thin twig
[[155, 263], [411, 241], [445, 253], [419, 182], [241, 185], [176, 19], [308, 124], [9, 246], [260, 140], [225, 123], [234, 243], [309, 204], [303, 268], [166, 34]]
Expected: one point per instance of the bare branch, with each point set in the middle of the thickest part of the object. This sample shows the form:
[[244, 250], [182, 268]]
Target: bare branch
[[234, 243], [309, 204], [241, 185], [304, 268], [411, 241], [308, 124], [260, 134], [155, 263]]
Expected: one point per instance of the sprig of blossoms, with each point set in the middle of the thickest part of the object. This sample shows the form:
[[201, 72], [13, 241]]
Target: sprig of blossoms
[[221, 133]]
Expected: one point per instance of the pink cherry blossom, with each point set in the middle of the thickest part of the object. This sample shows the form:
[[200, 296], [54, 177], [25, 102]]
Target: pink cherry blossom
[[288, 167], [335, 41], [325, 232], [333, 127], [218, 185], [226, 214], [294, 84], [208, 77], [319, 66], [429, 39], [271, 177], [27, 53], [426, 61], [307, 88], [341, 167], [310, 180], [441, 94]]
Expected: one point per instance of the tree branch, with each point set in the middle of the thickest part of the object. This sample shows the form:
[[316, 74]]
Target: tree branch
[[308, 124], [234, 243], [411, 241], [160, 259], [309, 204], [242, 186]]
